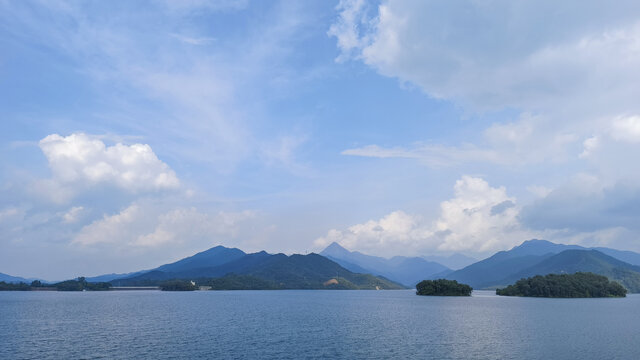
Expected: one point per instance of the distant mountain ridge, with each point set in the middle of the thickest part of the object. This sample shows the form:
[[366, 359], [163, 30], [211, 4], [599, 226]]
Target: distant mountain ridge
[[405, 270], [217, 255], [276, 271], [114, 276], [453, 262], [541, 257], [13, 279], [532, 257]]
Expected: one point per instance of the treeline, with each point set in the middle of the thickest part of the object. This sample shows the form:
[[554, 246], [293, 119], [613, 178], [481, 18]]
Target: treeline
[[578, 285], [178, 285], [443, 287], [79, 284], [14, 287]]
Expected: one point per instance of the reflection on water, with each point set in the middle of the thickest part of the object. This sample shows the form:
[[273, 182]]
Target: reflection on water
[[313, 324]]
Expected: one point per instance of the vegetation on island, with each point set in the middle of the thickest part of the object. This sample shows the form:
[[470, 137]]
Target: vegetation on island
[[178, 285], [4, 286], [442, 287], [578, 285], [80, 284]]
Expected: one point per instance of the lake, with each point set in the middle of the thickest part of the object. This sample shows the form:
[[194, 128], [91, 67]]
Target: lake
[[313, 325]]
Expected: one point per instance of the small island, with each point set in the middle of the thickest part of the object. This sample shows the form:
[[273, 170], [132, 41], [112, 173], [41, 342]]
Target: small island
[[578, 285], [442, 287]]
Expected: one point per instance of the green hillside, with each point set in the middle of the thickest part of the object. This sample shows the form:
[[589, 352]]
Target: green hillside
[[578, 285], [572, 261]]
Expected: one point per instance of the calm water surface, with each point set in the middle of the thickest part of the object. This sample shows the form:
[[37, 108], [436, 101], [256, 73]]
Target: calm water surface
[[313, 325]]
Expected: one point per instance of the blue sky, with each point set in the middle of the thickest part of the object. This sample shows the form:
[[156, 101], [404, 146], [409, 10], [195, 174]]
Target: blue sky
[[136, 133]]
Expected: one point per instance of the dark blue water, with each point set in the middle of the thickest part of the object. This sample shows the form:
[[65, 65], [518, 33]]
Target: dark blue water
[[313, 325]]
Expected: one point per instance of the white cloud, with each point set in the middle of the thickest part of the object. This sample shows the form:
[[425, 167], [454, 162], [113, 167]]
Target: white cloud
[[531, 139], [496, 54], [145, 226], [568, 78], [82, 160], [194, 40], [386, 235], [479, 218], [590, 145], [9, 213], [469, 221], [348, 29], [431, 155], [111, 228], [626, 128], [199, 101], [73, 215], [539, 191]]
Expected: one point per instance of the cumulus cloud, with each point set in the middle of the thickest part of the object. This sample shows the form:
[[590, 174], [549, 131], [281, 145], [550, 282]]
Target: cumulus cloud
[[143, 226], [393, 231], [479, 218], [85, 161]]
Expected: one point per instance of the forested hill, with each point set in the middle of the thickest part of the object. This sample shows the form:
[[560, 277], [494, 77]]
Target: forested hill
[[578, 285]]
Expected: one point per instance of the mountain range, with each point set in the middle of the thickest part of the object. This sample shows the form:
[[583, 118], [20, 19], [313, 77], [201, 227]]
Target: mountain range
[[280, 271], [454, 262], [405, 270], [338, 268], [541, 257], [13, 279]]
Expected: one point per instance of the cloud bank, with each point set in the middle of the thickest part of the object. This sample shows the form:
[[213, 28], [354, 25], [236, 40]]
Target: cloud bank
[[479, 218], [143, 225]]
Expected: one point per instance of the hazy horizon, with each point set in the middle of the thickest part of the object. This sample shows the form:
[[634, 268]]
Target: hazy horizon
[[134, 134]]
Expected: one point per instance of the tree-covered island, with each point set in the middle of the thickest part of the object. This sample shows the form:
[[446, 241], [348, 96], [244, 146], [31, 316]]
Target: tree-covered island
[[442, 287], [578, 285]]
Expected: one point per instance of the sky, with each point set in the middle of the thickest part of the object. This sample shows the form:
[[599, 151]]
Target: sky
[[136, 133]]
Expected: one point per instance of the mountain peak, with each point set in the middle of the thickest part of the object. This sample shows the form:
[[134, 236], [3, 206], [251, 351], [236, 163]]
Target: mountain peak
[[214, 256], [334, 249], [540, 247], [535, 242]]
